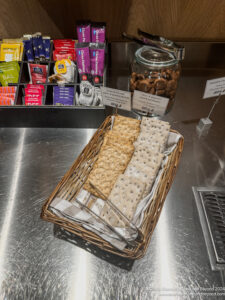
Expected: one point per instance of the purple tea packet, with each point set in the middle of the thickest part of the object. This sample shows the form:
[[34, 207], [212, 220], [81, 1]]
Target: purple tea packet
[[63, 101], [63, 95], [83, 60], [63, 88], [68, 91], [61, 98], [84, 33], [97, 57], [98, 34]]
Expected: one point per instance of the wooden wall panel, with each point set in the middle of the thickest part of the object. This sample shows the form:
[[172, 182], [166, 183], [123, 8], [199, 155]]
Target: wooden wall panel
[[177, 19], [67, 12], [25, 16]]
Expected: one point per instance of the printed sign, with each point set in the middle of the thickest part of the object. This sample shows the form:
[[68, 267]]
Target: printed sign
[[149, 103], [214, 87], [116, 98]]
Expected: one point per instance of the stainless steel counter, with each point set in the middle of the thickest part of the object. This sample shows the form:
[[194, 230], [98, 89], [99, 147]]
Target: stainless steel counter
[[40, 261]]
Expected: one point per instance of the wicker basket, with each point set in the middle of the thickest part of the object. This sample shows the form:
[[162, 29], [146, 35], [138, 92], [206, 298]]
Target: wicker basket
[[74, 179]]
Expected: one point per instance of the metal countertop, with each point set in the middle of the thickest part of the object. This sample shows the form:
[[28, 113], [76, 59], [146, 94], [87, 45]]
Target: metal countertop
[[39, 261]]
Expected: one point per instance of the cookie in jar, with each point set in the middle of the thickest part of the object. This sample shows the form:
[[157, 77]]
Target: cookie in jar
[[155, 71]]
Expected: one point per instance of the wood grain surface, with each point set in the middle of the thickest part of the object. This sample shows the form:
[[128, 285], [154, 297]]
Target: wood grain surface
[[186, 20], [25, 16], [179, 19]]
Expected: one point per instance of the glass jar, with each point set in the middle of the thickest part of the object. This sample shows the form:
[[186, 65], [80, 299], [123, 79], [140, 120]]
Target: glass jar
[[155, 71]]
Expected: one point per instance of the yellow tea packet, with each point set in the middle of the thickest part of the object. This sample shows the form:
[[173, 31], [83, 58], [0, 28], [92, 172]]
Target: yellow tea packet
[[10, 52]]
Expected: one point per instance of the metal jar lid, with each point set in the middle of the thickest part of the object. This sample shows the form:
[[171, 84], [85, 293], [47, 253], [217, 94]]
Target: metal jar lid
[[153, 57]]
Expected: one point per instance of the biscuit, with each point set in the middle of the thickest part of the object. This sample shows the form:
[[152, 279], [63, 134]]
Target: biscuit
[[103, 180], [152, 162], [144, 174], [154, 147], [110, 163], [125, 195], [147, 139], [126, 121], [149, 124], [114, 140]]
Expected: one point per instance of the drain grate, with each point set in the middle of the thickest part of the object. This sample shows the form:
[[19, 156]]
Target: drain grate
[[211, 208]]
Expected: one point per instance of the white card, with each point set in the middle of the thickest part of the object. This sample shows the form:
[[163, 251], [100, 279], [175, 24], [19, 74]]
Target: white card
[[214, 87], [116, 98], [149, 103]]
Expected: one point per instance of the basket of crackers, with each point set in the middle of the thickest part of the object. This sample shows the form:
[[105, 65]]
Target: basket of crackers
[[113, 194]]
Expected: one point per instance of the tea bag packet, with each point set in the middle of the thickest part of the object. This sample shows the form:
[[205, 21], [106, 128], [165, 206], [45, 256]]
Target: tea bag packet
[[38, 43], [7, 95], [84, 32], [28, 46], [98, 33], [64, 49], [83, 61], [87, 94], [97, 58], [9, 72], [38, 73], [34, 94], [65, 68], [98, 97], [63, 95], [37, 47], [46, 46], [10, 52]]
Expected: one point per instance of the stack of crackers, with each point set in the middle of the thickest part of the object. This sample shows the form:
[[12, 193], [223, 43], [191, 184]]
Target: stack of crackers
[[114, 156], [127, 165]]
